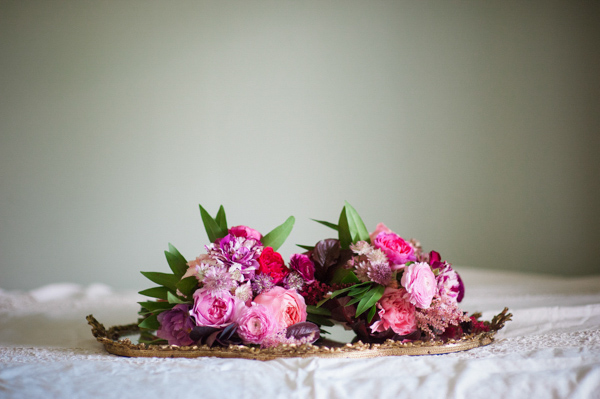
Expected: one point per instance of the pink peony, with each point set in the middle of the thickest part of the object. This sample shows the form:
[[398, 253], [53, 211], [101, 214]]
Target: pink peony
[[396, 249], [246, 232], [287, 306], [213, 308], [255, 323], [420, 283], [395, 312], [380, 228], [304, 266]]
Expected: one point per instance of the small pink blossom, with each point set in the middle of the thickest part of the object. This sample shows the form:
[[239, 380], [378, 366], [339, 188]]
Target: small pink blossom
[[287, 306], [419, 281], [198, 266], [395, 312]]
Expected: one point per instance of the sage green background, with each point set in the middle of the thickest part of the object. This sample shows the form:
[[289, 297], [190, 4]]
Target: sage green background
[[472, 126]]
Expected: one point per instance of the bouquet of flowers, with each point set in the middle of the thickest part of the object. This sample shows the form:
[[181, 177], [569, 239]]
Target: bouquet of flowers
[[384, 287], [241, 291]]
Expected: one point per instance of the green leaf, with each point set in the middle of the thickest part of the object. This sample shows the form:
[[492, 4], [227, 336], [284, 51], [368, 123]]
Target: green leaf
[[168, 280], [213, 229], [353, 301], [370, 299], [359, 290], [187, 286], [276, 237], [221, 219], [328, 224], [153, 306], [344, 232], [307, 247], [176, 262], [318, 311], [156, 292], [344, 276], [173, 299], [371, 313], [357, 227], [319, 320], [342, 290], [150, 322]]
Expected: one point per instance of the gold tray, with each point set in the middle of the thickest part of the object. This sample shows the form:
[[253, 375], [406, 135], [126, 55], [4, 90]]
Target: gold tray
[[111, 339]]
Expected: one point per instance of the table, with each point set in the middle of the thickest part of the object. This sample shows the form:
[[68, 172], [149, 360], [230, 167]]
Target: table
[[551, 349]]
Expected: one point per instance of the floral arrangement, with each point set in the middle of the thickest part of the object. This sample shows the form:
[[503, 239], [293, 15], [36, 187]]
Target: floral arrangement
[[241, 291]]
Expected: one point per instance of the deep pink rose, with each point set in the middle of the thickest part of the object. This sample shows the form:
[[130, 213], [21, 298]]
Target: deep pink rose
[[213, 308], [246, 232], [304, 266], [395, 312], [287, 306], [380, 228], [396, 249], [271, 263], [420, 283], [255, 323]]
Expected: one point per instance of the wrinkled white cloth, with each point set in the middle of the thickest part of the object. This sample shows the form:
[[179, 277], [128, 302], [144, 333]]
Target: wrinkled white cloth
[[551, 349]]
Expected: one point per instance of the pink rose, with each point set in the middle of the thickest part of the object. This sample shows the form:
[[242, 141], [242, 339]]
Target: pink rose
[[246, 232], [395, 312], [420, 283], [287, 305], [396, 249], [255, 323], [214, 308], [380, 227]]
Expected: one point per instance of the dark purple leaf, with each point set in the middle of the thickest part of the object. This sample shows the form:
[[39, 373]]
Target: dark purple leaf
[[200, 333], [229, 336], [325, 255], [210, 340], [339, 309], [303, 330], [343, 258]]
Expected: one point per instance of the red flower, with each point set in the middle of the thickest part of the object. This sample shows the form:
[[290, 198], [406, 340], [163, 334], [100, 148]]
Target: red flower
[[271, 263]]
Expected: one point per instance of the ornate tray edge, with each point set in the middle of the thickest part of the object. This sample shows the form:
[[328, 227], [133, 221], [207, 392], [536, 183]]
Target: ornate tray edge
[[111, 339]]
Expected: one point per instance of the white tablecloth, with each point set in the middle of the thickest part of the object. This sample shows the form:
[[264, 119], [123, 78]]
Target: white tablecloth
[[551, 349]]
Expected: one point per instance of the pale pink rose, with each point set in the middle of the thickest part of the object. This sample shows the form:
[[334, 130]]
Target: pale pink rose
[[287, 305], [380, 228], [214, 308], [395, 248], [246, 232], [255, 323], [395, 312], [420, 283]]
